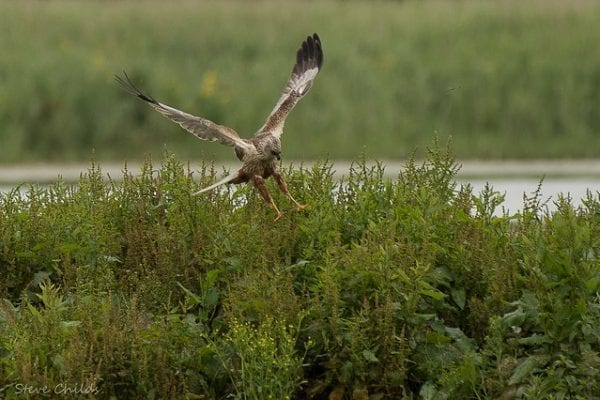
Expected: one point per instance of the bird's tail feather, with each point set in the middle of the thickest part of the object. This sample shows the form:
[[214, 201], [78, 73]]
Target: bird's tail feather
[[227, 179]]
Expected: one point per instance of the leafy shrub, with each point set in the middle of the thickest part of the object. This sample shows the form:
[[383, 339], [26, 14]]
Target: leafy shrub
[[382, 288]]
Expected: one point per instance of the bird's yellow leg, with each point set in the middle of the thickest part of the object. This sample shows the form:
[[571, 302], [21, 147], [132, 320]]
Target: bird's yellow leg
[[279, 213], [283, 187], [259, 183], [298, 205]]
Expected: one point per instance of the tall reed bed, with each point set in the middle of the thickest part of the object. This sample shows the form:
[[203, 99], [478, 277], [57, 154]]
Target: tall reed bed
[[492, 74]]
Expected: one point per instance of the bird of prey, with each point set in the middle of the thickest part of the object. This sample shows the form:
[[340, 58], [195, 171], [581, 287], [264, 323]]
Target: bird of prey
[[259, 153]]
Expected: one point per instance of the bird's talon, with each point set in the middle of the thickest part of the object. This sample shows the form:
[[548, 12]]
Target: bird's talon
[[300, 207], [278, 217]]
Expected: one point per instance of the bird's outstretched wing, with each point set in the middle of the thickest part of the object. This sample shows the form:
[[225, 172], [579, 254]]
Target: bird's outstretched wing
[[202, 128], [308, 63]]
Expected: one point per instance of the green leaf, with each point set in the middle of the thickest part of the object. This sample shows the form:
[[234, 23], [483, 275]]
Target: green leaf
[[428, 391], [68, 247], [534, 339], [193, 298], [370, 356], [587, 330], [443, 276], [593, 284], [436, 338], [40, 277], [59, 364], [417, 318], [514, 318], [463, 342], [70, 324], [34, 311], [211, 278], [525, 368], [433, 293], [211, 297], [459, 297]]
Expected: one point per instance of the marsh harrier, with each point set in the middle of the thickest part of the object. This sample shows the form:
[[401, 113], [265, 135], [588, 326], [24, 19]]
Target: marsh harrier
[[259, 153]]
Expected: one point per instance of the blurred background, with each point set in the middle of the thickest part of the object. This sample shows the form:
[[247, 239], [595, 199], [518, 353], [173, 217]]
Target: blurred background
[[505, 80]]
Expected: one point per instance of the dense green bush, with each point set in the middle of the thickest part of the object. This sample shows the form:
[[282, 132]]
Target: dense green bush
[[380, 289]]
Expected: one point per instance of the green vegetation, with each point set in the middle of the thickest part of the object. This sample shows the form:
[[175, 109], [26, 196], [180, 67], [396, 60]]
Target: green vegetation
[[491, 74], [409, 288]]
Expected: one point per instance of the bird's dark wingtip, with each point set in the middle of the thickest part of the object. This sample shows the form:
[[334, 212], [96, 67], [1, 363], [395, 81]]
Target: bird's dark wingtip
[[129, 87], [310, 54], [319, 47]]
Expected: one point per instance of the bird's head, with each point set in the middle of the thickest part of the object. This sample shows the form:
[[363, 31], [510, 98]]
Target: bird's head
[[272, 148], [276, 154]]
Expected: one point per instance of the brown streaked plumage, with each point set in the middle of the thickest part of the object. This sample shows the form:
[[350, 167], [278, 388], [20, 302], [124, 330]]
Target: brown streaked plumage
[[259, 153]]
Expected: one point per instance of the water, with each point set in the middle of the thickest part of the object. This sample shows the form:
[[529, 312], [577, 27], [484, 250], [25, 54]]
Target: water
[[515, 188], [514, 179]]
